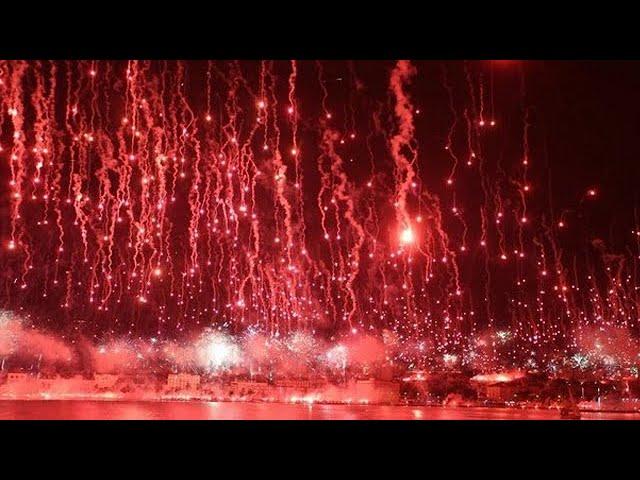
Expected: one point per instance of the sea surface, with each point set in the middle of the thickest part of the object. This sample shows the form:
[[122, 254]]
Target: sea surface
[[183, 410]]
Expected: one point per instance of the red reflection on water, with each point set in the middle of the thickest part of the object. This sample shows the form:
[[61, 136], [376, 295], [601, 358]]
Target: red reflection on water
[[103, 410]]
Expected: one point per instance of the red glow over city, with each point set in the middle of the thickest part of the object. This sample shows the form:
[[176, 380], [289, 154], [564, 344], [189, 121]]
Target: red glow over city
[[309, 232]]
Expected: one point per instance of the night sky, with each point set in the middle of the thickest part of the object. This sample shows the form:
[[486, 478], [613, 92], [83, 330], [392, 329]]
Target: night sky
[[575, 122]]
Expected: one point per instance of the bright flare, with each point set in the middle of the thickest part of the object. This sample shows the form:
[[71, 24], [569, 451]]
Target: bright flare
[[407, 236]]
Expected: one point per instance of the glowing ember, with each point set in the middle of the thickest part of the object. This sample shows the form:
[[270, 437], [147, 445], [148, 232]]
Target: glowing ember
[[407, 236]]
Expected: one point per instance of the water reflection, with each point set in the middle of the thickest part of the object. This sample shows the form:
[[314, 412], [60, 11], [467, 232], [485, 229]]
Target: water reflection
[[114, 410]]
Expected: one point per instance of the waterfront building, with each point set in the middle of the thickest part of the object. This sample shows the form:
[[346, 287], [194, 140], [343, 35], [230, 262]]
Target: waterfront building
[[377, 391], [105, 380], [251, 389], [183, 381], [499, 392], [415, 387], [504, 387]]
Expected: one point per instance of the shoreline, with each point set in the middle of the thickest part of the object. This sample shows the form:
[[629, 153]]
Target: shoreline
[[115, 399]]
